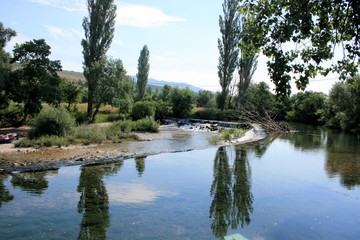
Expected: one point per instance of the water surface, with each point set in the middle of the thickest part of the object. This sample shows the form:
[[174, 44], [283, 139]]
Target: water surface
[[303, 185]]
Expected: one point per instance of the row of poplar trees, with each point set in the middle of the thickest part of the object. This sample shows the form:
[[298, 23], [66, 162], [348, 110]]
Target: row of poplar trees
[[235, 54]]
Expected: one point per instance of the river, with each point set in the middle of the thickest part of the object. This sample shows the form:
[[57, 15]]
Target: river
[[301, 185]]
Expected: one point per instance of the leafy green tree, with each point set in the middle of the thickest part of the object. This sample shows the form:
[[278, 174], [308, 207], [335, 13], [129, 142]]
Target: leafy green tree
[[300, 36], [99, 31], [181, 101], [165, 94], [36, 80], [5, 35], [114, 84], [124, 97], [117, 87], [246, 69], [307, 107], [163, 110], [5, 68], [247, 63], [228, 48], [258, 98], [143, 72], [70, 92], [11, 115], [344, 105], [206, 99]]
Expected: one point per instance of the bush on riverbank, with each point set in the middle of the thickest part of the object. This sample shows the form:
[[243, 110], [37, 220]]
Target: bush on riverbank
[[87, 134], [227, 135], [52, 121]]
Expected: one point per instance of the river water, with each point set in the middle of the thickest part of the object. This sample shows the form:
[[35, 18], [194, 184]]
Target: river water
[[302, 185]]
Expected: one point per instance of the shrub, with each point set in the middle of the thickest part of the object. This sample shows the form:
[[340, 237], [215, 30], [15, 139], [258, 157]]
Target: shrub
[[44, 141], [114, 117], [52, 121], [125, 126], [143, 109], [147, 124], [88, 134], [80, 117]]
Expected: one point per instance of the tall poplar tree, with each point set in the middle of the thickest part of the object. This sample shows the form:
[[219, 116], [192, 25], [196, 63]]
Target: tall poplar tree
[[228, 48], [99, 31], [143, 72], [248, 59]]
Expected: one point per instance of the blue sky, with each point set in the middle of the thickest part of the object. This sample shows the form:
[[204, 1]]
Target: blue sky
[[180, 34]]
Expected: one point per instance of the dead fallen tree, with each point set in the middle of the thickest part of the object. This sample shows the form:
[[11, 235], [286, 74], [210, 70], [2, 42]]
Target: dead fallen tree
[[264, 120]]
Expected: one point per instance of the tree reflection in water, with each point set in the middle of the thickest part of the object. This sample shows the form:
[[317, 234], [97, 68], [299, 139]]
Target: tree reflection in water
[[242, 196], [5, 195], [94, 200], [343, 158], [221, 192], [32, 182], [231, 191], [140, 165]]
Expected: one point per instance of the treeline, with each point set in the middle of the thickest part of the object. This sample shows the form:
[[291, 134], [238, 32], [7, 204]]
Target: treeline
[[339, 109]]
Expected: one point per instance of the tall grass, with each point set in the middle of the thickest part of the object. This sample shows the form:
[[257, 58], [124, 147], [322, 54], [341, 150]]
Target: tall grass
[[89, 134], [227, 135]]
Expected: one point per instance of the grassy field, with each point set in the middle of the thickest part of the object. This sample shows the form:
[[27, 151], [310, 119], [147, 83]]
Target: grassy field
[[72, 76]]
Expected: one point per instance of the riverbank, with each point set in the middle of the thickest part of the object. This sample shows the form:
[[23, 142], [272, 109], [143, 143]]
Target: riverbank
[[169, 139]]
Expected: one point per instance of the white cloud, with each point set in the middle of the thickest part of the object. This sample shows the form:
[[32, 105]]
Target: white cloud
[[135, 193], [142, 16], [77, 33], [59, 33], [68, 5]]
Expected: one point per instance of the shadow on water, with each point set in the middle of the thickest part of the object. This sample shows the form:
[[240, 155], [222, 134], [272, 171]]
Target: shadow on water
[[94, 200], [232, 203]]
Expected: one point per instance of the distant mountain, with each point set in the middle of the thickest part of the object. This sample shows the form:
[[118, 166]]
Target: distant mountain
[[161, 83], [78, 76]]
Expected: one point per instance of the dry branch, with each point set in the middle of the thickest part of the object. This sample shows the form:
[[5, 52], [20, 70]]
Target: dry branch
[[264, 119]]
